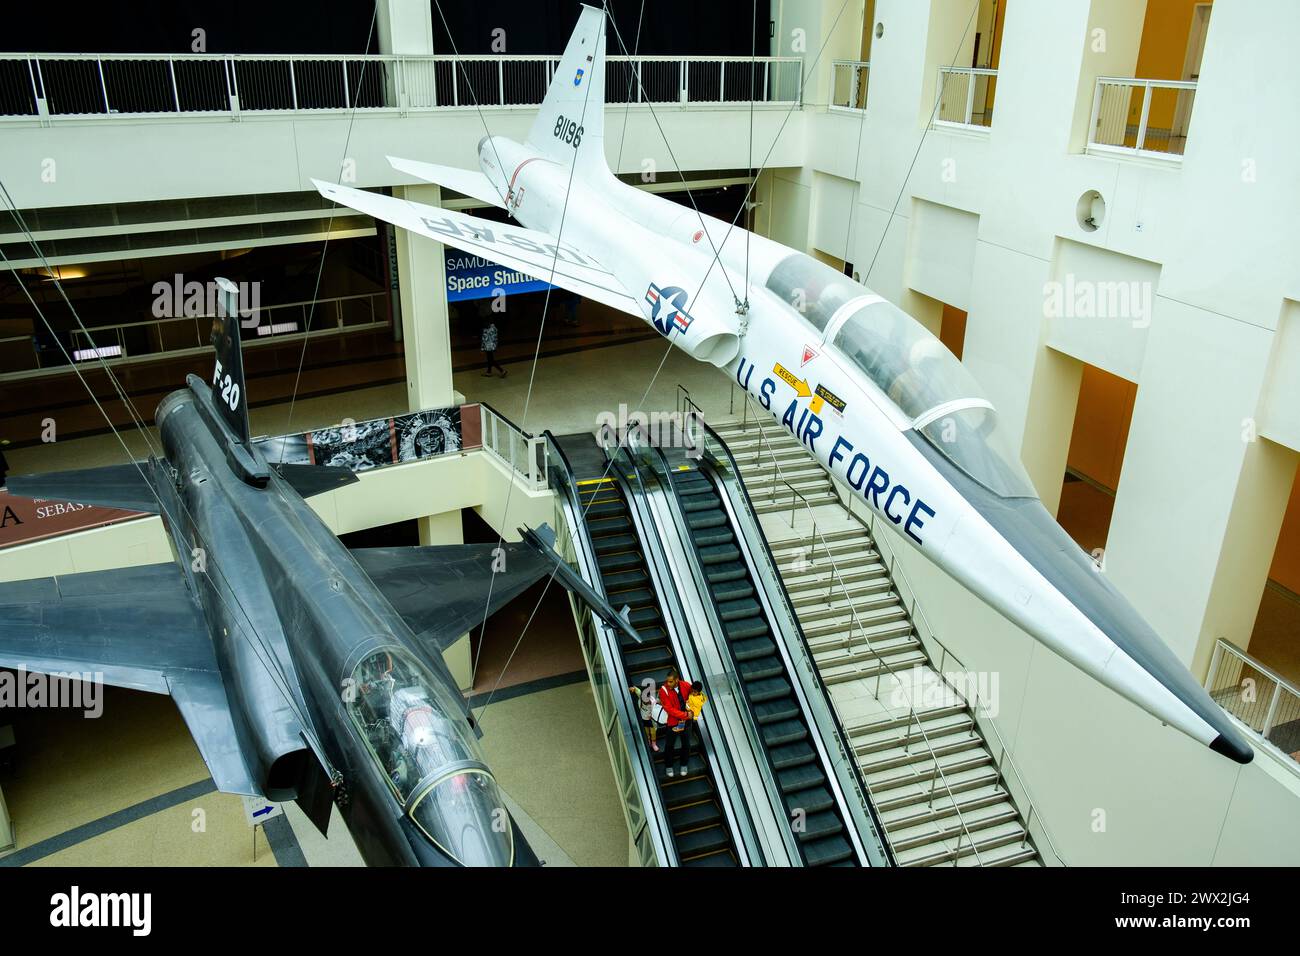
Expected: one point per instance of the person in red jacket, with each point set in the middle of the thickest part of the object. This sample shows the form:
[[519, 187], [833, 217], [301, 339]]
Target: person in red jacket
[[672, 695]]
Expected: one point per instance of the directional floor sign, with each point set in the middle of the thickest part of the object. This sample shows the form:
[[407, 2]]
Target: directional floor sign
[[259, 809]]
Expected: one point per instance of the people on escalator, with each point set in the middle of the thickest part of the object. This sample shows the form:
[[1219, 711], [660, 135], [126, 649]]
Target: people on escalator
[[696, 699], [673, 695], [643, 698]]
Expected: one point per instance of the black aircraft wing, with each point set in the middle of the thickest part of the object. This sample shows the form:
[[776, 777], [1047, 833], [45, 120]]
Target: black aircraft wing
[[133, 627], [441, 590], [110, 486]]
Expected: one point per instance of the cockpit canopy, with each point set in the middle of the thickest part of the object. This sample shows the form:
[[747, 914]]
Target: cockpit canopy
[[910, 366], [414, 730]]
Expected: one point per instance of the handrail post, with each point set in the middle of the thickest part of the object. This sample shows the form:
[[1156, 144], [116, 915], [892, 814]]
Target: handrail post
[[1146, 112]]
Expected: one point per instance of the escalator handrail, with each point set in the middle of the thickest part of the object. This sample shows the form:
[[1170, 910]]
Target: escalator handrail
[[753, 735], [647, 783], [796, 632], [740, 820]]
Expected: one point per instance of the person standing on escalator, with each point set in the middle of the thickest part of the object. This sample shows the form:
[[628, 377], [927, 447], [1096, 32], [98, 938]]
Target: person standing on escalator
[[672, 695]]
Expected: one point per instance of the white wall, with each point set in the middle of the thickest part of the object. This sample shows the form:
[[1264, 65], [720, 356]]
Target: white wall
[[985, 220]]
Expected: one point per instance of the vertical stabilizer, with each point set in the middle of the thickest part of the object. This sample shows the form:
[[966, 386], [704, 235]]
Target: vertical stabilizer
[[570, 127], [228, 393]]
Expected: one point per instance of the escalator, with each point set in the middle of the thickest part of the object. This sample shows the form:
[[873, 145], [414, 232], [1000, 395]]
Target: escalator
[[700, 829], [813, 811]]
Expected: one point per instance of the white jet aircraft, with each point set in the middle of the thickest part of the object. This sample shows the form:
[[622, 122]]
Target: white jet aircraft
[[893, 413]]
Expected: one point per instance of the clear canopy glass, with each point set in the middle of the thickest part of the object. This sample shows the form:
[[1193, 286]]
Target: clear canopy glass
[[911, 366], [415, 731], [812, 288]]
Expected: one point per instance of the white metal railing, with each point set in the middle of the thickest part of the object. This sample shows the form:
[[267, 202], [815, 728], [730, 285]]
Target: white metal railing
[[966, 96], [524, 454], [849, 84], [49, 86], [1258, 696], [120, 342], [1141, 117]]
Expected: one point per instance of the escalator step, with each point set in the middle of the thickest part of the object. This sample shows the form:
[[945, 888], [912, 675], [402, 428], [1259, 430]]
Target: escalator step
[[829, 852], [647, 616], [713, 537], [690, 479], [746, 627], [651, 636], [690, 790], [761, 691], [752, 648], [695, 767], [735, 610], [719, 555], [703, 502], [618, 562], [800, 778], [641, 597], [611, 543], [726, 571], [769, 665], [700, 842], [721, 858], [640, 659], [605, 509], [617, 524], [736, 590], [818, 826], [792, 755], [783, 707], [784, 732], [700, 520], [695, 815], [624, 581], [811, 800]]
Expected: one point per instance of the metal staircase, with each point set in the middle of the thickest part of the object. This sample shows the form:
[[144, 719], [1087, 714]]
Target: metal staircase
[[933, 778]]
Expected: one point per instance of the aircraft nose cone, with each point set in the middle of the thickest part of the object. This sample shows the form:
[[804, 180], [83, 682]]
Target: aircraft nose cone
[[1233, 747]]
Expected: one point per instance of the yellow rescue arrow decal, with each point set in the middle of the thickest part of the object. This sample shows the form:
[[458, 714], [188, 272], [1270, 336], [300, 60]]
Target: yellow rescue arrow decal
[[799, 385]]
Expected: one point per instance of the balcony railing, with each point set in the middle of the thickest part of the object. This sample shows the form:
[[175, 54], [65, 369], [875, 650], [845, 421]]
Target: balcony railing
[[966, 96], [24, 355], [1141, 117], [849, 84], [1267, 703], [51, 86]]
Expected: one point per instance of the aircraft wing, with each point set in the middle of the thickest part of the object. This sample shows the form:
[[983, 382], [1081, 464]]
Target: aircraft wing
[[137, 628], [441, 590], [526, 250]]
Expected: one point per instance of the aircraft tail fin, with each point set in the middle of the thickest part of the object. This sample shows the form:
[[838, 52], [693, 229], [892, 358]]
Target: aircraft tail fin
[[228, 392], [570, 126]]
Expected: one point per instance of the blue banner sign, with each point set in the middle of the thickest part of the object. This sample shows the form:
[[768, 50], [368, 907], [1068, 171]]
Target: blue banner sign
[[473, 277]]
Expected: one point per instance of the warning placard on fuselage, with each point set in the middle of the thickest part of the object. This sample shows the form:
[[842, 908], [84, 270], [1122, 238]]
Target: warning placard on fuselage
[[830, 398]]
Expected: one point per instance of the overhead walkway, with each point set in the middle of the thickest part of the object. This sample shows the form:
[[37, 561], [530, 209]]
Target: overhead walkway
[[937, 784]]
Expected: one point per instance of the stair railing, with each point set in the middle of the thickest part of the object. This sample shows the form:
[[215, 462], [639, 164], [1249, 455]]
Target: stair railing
[[913, 717]]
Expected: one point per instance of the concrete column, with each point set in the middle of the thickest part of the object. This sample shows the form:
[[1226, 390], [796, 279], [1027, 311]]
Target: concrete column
[[423, 283], [446, 529], [405, 26]]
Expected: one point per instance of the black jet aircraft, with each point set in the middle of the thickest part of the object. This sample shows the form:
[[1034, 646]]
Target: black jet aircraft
[[304, 670]]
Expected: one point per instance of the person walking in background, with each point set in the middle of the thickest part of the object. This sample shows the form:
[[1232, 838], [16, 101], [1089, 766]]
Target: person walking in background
[[488, 343], [673, 694]]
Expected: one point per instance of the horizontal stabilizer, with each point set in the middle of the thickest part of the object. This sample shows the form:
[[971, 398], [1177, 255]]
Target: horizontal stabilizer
[[467, 182], [110, 486], [526, 250], [310, 480]]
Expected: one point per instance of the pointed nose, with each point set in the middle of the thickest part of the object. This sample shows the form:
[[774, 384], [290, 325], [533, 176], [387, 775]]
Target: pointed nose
[[1029, 528]]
